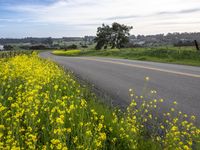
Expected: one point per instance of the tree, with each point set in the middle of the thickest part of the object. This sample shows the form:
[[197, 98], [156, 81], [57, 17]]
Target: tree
[[73, 46], [116, 36], [120, 35], [8, 47], [103, 37], [48, 41]]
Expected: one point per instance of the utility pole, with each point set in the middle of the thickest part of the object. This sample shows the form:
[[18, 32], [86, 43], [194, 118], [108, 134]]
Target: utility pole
[[196, 44]]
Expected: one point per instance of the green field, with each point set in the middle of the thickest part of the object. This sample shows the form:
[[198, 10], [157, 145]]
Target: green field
[[176, 55]]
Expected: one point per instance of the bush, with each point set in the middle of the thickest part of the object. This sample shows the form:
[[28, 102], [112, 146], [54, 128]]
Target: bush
[[84, 46], [184, 43], [8, 47], [73, 46]]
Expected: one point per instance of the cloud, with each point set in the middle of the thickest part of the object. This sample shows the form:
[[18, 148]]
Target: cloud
[[81, 11], [123, 17], [62, 11], [162, 13], [177, 23], [87, 15], [185, 11]]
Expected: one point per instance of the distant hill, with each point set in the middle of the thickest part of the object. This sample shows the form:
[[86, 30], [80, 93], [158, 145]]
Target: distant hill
[[168, 39], [148, 40]]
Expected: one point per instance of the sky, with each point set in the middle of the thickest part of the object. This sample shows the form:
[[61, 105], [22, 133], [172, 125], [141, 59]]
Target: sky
[[72, 18]]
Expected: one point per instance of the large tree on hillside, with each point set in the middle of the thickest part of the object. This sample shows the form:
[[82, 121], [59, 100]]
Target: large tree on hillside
[[115, 36], [103, 37]]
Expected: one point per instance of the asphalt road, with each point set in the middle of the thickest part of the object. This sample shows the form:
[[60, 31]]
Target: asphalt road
[[116, 76]]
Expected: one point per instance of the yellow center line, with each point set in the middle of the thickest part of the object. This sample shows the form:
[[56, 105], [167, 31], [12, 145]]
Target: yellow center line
[[145, 67]]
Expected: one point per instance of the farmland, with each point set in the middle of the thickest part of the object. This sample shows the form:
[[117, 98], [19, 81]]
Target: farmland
[[44, 107]]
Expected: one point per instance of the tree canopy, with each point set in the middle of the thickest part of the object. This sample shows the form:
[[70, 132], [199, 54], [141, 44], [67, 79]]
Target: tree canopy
[[115, 36]]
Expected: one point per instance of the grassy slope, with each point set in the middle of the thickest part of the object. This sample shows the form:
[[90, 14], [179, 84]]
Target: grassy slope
[[182, 55]]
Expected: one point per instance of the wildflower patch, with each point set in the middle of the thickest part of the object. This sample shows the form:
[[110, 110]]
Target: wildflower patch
[[43, 107]]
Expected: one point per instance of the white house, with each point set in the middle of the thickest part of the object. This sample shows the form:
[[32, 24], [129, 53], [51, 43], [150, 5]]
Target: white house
[[1, 47]]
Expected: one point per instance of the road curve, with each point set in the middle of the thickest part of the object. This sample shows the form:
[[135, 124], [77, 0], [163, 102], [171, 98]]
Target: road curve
[[116, 76]]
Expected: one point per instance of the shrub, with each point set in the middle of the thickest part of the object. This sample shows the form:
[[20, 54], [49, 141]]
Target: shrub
[[73, 46]]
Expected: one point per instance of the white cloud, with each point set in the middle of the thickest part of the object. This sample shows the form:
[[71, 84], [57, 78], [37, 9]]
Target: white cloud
[[146, 16]]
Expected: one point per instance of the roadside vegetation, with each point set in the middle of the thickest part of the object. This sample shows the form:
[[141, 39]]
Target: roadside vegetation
[[67, 52], [112, 40], [44, 107], [177, 55], [8, 54]]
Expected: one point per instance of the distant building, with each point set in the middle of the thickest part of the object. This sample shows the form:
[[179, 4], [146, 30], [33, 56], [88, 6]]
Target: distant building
[[1, 47]]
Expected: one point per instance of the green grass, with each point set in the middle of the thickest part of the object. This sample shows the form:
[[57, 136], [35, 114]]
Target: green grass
[[177, 55], [67, 52]]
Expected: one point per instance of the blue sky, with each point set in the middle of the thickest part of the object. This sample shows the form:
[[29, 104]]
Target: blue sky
[[58, 18]]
